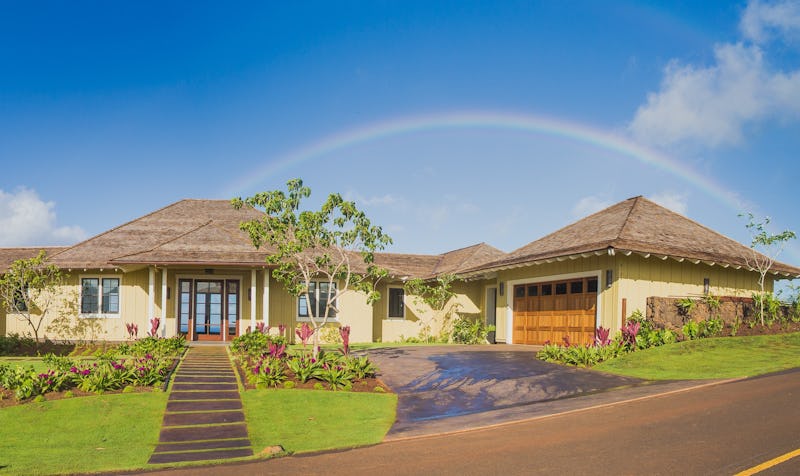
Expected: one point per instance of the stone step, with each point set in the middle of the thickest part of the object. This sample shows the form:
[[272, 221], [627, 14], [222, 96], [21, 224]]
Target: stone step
[[178, 387], [202, 433], [185, 419], [203, 445], [207, 405], [204, 395], [162, 458]]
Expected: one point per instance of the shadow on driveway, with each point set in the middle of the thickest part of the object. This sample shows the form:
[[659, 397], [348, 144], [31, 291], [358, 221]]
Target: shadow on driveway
[[435, 382]]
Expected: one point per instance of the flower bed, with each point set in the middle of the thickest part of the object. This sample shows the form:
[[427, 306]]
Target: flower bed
[[265, 362], [145, 363]]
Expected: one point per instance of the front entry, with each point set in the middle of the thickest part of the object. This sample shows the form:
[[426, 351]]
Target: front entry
[[208, 309]]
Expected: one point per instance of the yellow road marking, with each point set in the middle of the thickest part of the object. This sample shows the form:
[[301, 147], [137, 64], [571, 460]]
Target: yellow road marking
[[768, 464]]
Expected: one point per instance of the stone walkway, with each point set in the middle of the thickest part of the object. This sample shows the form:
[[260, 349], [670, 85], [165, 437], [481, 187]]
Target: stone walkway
[[204, 418]]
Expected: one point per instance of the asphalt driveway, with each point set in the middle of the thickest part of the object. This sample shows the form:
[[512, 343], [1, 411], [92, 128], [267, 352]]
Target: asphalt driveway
[[437, 382]]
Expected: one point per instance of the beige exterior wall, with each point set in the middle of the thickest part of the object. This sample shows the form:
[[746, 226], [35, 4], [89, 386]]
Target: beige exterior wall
[[640, 278], [467, 303]]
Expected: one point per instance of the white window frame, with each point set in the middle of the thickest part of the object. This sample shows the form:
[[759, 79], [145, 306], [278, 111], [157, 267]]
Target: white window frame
[[99, 313], [389, 306], [316, 298]]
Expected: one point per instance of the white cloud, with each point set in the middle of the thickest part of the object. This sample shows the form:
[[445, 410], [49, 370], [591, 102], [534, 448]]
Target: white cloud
[[374, 201], [677, 202], [27, 220], [711, 105], [763, 20], [588, 205]]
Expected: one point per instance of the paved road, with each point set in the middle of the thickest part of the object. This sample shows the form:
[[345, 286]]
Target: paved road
[[719, 429]]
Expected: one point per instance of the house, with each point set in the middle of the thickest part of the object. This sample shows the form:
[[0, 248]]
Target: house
[[190, 265], [600, 269]]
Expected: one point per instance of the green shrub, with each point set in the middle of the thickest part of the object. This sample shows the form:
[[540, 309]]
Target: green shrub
[[468, 331]]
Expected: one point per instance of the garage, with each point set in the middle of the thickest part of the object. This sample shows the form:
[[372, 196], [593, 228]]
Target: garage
[[548, 311]]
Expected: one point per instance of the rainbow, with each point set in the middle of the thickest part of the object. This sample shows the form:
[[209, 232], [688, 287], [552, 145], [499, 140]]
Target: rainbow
[[535, 124]]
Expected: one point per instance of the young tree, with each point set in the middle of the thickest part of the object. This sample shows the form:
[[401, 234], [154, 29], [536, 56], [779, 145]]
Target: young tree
[[764, 250], [437, 295], [334, 247], [29, 290]]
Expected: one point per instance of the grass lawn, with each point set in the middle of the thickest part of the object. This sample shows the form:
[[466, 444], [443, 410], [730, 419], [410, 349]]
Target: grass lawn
[[313, 420], [725, 357], [79, 435]]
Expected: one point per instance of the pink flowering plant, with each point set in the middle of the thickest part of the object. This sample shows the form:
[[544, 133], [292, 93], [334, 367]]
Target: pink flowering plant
[[268, 372]]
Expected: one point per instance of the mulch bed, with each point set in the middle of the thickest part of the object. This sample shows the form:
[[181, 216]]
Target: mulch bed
[[759, 330]]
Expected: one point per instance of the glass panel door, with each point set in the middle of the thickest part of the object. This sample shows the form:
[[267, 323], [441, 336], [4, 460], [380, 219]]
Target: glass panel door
[[233, 308], [208, 308], [184, 305]]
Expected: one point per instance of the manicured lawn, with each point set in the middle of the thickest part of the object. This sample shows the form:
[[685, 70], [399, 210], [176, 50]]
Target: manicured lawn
[[313, 420], [37, 362], [79, 435], [726, 357]]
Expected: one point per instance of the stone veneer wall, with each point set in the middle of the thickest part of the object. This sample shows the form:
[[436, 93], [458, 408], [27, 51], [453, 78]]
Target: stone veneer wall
[[665, 313]]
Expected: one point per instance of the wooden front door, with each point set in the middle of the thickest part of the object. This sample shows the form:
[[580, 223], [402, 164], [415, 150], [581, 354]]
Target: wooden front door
[[547, 312], [208, 309]]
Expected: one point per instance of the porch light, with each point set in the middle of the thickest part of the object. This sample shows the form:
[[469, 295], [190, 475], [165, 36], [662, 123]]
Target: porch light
[[502, 289], [609, 277], [706, 285]]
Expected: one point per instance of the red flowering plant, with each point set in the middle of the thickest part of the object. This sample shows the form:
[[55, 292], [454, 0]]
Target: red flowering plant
[[344, 332], [133, 330], [154, 324], [304, 332], [268, 372]]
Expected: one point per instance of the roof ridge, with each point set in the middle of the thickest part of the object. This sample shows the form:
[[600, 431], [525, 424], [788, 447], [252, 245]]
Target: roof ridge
[[624, 225], [159, 245]]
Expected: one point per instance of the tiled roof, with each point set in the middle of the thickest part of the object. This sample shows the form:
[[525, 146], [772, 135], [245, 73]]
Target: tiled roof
[[9, 255], [186, 231], [635, 225]]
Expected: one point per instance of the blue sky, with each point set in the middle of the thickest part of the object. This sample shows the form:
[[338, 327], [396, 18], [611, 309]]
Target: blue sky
[[451, 123]]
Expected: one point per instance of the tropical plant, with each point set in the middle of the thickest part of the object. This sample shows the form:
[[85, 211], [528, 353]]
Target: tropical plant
[[336, 375], [29, 290], [436, 294], [304, 367], [686, 306], [764, 250], [335, 244], [468, 331], [344, 332], [361, 367], [269, 372]]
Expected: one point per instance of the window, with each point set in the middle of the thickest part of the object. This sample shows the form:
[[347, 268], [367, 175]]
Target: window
[[533, 290], [20, 299], [561, 288], [100, 296], [397, 307], [576, 287], [319, 292]]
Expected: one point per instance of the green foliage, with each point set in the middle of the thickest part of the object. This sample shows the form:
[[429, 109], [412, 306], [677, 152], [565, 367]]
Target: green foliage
[[768, 307], [686, 306], [13, 343], [29, 288], [712, 302], [316, 245], [438, 295], [109, 372], [361, 367], [337, 375], [710, 327], [255, 343], [268, 372], [765, 248], [304, 367], [468, 331]]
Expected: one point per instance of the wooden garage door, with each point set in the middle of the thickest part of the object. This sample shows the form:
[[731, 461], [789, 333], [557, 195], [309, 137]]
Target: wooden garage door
[[549, 311]]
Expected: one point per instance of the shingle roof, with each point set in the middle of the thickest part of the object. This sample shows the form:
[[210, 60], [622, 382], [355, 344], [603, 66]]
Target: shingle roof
[[9, 255], [634, 225], [430, 266], [188, 231]]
